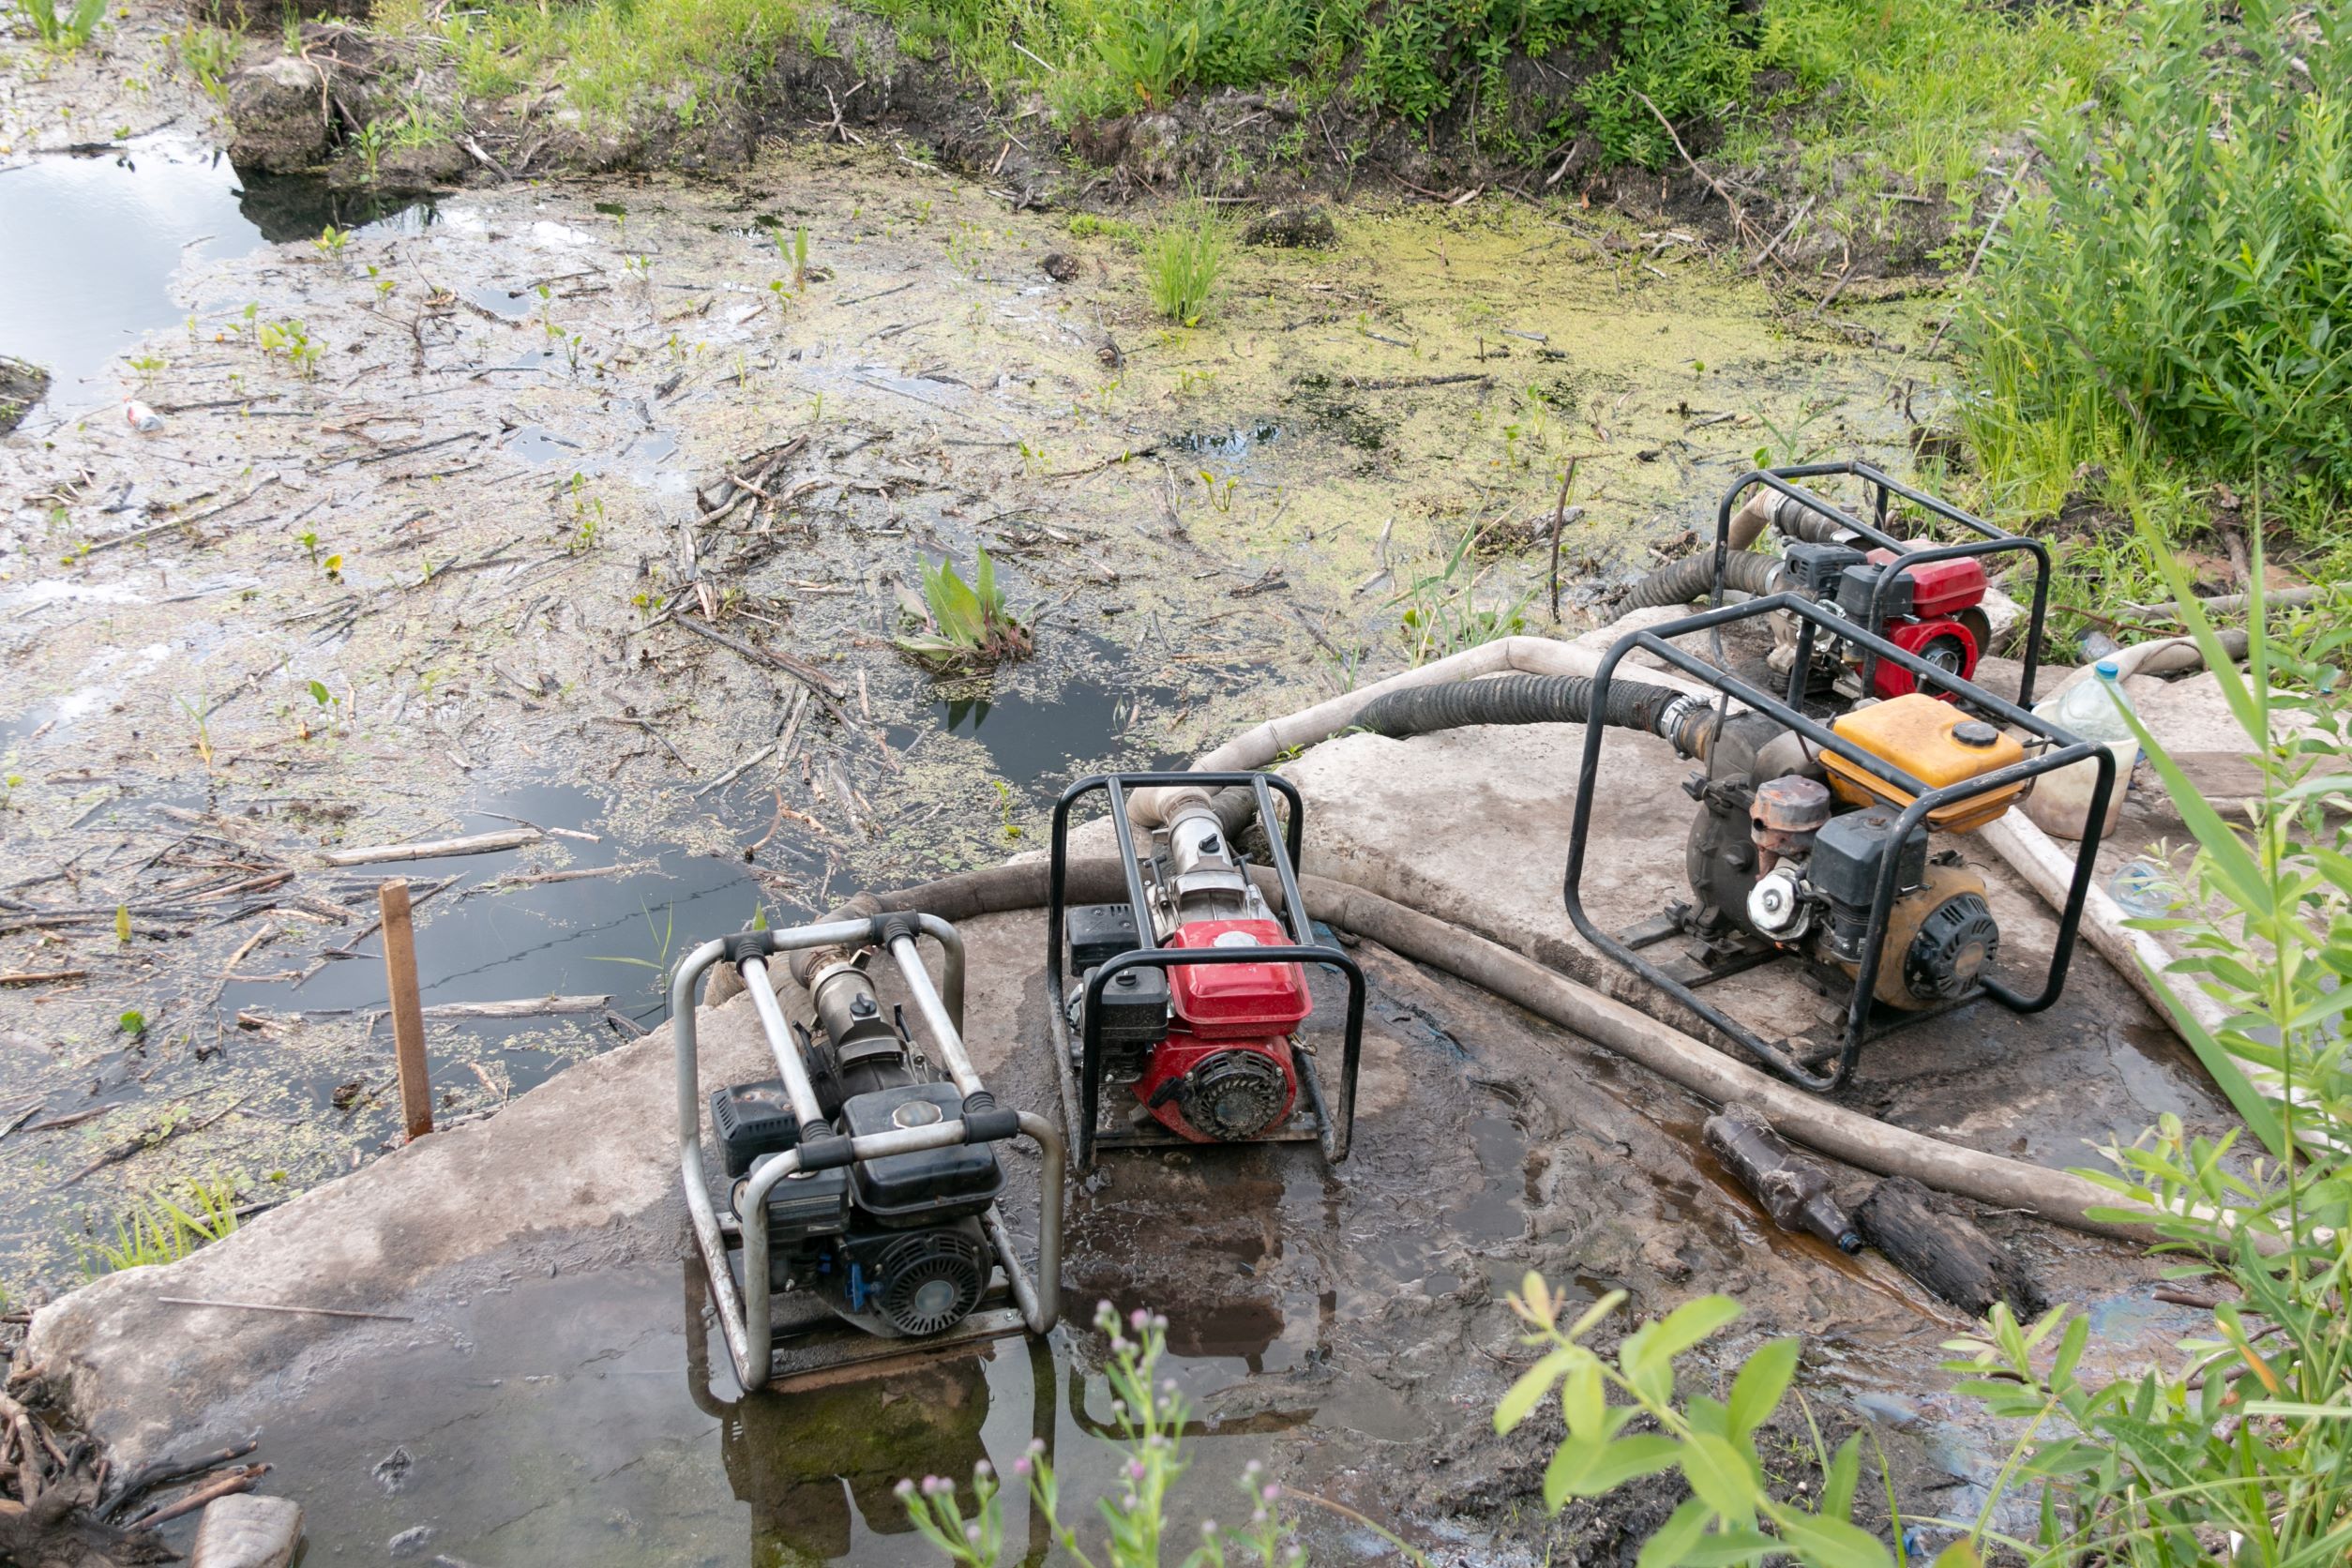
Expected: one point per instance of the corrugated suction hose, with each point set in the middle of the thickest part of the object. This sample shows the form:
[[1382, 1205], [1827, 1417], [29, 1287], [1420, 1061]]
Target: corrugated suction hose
[[1692, 577], [1521, 699]]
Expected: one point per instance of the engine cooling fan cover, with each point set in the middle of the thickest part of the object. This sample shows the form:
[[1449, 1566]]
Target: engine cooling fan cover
[[1234, 1094], [931, 1280]]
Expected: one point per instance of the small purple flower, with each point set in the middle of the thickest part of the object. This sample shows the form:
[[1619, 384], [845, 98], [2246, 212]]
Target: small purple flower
[[971, 1532], [1271, 1492], [982, 1469], [1139, 1318], [905, 1489], [1037, 1446], [1135, 1468]]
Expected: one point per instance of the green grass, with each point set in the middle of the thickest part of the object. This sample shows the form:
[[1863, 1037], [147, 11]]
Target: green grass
[[1183, 261], [65, 31], [1921, 91], [166, 1226]]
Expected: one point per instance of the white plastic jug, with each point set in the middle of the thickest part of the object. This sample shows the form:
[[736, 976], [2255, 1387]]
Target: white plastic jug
[[2091, 709]]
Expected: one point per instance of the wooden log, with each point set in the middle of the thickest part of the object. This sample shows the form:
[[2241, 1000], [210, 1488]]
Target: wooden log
[[408, 1020], [1945, 1252], [433, 849]]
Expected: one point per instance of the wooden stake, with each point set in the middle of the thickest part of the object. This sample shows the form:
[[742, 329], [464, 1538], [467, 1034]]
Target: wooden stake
[[408, 1018]]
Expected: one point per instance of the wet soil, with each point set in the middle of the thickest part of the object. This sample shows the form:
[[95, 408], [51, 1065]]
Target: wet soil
[[1344, 1324]]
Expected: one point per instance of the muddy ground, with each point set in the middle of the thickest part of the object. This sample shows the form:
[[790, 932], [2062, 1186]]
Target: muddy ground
[[1344, 1324]]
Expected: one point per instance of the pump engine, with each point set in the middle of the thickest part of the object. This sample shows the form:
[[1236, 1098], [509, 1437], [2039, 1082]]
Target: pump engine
[[893, 1245], [1206, 1050], [1788, 846], [1933, 610], [1172, 1001], [862, 1179]]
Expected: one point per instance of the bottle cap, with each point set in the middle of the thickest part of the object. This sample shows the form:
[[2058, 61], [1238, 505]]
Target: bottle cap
[[2108, 669]]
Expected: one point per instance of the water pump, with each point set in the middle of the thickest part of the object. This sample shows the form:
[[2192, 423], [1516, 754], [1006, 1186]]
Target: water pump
[[863, 1177], [1192, 993], [1835, 839]]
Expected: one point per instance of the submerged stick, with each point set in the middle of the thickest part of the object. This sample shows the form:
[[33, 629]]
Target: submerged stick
[[433, 849], [278, 1306]]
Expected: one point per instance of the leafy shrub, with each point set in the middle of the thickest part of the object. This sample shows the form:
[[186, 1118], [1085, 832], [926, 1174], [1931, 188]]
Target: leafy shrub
[[2251, 1441], [2180, 290]]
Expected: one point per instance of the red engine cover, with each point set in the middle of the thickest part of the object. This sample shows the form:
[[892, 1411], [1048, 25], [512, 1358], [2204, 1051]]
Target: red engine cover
[[1232, 1000], [1948, 643], [1940, 587], [1243, 1088], [1224, 1073]]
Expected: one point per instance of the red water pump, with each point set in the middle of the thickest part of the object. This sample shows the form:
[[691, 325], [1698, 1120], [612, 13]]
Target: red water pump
[[1192, 994], [1933, 610]]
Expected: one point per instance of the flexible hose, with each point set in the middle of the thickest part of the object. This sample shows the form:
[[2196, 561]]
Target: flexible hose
[[1792, 516], [1859, 1140], [1694, 578], [1517, 700]]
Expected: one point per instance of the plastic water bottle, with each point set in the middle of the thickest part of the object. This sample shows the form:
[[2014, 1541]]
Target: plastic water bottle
[[2142, 888], [2093, 711]]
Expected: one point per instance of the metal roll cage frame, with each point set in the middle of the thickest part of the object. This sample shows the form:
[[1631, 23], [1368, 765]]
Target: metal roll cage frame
[[1082, 1082], [746, 1322], [1994, 541], [2065, 750]]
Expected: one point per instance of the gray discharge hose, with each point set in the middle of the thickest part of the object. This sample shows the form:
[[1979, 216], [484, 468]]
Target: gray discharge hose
[[1859, 1140]]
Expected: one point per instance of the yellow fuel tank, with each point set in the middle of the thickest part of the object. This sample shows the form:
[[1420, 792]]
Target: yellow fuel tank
[[1936, 743]]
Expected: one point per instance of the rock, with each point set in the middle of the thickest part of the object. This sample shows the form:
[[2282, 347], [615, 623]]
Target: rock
[[1156, 148], [1059, 265], [411, 1541], [418, 167], [1293, 228], [246, 1531], [276, 109]]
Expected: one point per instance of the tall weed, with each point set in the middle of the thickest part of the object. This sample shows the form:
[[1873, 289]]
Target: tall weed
[[1183, 261], [2183, 290]]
